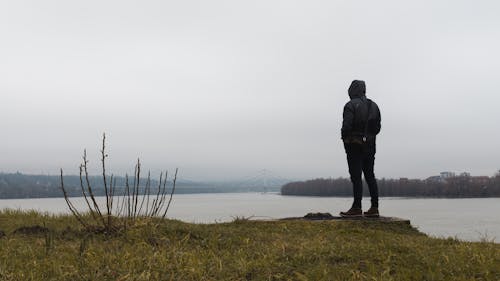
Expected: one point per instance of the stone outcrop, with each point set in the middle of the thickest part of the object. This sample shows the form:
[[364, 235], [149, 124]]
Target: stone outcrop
[[328, 216]]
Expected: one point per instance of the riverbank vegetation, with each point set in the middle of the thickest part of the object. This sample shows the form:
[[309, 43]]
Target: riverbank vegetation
[[36, 246], [452, 187]]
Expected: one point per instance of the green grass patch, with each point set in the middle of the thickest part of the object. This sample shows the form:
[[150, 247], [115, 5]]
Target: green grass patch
[[59, 249]]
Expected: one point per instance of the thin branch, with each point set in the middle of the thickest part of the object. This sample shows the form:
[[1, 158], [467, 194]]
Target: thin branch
[[163, 193], [171, 194], [112, 192], [70, 205], [156, 200], [103, 160], [128, 195], [92, 212], [137, 180], [149, 192], [146, 187], [89, 187], [122, 202]]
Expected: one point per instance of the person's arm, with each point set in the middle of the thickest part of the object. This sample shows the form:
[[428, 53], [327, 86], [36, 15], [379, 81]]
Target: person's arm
[[348, 120], [378, 125]]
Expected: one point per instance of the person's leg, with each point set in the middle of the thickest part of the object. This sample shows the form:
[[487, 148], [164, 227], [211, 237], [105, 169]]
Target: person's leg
[[368, 167], [354, 160]]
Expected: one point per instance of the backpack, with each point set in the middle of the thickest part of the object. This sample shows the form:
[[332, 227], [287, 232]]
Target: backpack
[[371, 124]]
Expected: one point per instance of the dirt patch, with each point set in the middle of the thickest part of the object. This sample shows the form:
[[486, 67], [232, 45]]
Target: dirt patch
[[30, 230]]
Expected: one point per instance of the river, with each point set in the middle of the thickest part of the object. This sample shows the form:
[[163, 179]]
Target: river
[[466, 219]]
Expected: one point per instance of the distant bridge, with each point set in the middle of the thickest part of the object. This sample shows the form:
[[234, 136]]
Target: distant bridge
[[263, 178]]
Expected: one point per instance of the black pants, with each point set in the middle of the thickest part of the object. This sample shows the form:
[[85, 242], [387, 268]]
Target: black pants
[[361, 158]]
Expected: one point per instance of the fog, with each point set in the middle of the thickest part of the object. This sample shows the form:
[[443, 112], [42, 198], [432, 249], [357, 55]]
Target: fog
[[222, 89]]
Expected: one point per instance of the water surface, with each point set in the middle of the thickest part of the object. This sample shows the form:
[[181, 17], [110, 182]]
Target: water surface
[[467, 219]]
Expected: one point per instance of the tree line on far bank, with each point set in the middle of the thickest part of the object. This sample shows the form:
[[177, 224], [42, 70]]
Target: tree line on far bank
[[18, 185], [453, 187]]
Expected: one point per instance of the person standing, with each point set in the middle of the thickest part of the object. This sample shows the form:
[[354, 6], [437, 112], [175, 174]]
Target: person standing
[[360, 126]]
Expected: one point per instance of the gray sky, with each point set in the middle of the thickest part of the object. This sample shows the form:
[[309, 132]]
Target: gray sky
[[225, 88]]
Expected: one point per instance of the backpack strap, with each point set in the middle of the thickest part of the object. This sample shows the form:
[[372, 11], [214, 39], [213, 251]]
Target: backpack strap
[[365, 135]]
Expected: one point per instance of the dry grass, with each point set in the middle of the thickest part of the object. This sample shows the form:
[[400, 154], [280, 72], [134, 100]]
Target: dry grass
[[241, 250]]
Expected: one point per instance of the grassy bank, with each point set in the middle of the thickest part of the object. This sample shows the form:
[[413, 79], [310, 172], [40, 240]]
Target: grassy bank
[[241, 250]]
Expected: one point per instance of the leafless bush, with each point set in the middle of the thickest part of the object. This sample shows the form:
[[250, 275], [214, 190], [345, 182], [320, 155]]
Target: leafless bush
[[123, 209]]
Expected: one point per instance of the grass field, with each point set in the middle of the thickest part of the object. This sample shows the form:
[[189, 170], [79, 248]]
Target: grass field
[[241, 250]]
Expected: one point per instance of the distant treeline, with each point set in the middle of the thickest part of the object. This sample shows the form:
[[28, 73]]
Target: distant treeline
[[454, 187], [18, 185]]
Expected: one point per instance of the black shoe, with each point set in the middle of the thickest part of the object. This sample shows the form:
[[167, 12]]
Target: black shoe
[[372, 213], [352, 213]]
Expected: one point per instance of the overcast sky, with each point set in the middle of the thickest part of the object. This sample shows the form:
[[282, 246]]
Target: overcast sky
[[223, 89]]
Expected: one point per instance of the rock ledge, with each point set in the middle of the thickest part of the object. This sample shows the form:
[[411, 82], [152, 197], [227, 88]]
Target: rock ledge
[[328, 216]]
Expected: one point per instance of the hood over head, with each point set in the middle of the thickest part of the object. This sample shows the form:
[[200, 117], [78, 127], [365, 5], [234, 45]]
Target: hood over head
[[357, 89]]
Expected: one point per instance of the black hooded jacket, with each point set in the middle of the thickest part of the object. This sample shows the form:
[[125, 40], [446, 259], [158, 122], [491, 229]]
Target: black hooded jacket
[[355, 113]]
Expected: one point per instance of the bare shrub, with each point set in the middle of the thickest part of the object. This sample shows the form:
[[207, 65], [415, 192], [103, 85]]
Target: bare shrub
[[120, 210]]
